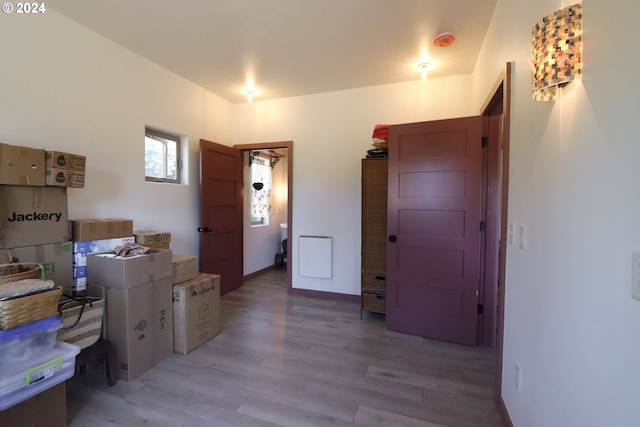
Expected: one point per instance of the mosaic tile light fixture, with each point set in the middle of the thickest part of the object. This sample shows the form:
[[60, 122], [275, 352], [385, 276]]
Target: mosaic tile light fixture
[[556, 52]]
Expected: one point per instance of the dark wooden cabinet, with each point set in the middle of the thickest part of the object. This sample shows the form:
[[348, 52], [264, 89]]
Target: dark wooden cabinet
[[374, 234]]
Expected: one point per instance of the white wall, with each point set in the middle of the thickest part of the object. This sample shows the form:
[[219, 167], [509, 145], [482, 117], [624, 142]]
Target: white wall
[[65, 88], [331, 132], [571, 323]]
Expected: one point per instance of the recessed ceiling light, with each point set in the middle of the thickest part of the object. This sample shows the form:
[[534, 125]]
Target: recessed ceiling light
[[423, 66], [250, 91]]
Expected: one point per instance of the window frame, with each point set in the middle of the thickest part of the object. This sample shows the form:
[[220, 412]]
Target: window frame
[[163, 137], [263, 161]]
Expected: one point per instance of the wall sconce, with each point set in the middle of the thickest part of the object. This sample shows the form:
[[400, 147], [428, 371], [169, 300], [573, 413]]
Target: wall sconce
[[556, 52]]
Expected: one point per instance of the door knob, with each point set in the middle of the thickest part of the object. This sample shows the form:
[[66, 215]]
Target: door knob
[[204, 230], [392, 238]]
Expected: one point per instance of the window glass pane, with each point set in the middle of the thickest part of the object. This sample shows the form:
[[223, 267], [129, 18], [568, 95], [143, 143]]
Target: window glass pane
[[162, 156], [154, 158], [172, 159]]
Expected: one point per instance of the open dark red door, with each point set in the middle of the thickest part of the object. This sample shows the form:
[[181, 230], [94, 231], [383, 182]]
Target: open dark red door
[[221, 213], [433, 227]]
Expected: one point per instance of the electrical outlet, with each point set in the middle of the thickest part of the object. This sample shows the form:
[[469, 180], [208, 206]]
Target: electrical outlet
[[517, 378]]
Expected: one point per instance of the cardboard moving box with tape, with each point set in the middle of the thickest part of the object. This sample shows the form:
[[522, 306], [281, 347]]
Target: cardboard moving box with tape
[[22, 165], [196, 312], [83, 230], [32, 216], [139, 306]]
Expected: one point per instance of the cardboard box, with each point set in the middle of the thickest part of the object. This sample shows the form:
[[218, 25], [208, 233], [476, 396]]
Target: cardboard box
[[79, 163], [158, 245], [105, 269], [79, 272], [21, 165], [129, 328], [79, 284], [185, 267], [60, 160], [55, 258], [64, 178], [139, 325], [162, 319], [83, 230], [196, 312], [80, 250], [144, 237], [32, 216]]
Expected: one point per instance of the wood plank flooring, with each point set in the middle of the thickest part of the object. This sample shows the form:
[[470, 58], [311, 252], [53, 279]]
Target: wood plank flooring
[[286, 360]]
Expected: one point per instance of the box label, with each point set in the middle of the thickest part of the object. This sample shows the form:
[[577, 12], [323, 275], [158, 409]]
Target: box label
[[35, 216], [146, 237]]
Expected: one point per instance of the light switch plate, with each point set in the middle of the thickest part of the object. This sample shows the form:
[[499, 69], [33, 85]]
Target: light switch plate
[[523, 236], [635, 274]]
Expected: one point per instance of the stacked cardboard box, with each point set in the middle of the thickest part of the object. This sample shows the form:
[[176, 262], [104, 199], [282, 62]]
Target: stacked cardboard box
[[196, 305], [33, 216], [21, 165], [95, 235], [196, 312], [65, 169], [139, 307], [185, 267], [153, 239], [34, 229], [37, 167]]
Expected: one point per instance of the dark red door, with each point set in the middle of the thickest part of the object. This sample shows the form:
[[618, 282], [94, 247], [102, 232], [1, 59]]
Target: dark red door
[[221, 213], [433, 223]]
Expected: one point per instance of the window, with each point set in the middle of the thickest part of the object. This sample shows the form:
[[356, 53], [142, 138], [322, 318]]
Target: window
[[260, 191], [161, 156]]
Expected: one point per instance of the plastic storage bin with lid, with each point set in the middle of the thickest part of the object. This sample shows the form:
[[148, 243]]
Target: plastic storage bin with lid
[[28, 341], [20, 381]]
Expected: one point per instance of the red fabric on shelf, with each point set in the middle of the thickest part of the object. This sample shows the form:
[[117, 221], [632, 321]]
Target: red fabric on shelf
[[381, 132]]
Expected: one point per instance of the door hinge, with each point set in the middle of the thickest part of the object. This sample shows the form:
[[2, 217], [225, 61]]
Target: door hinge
[[485, 142], [483, 225], [480, 308]]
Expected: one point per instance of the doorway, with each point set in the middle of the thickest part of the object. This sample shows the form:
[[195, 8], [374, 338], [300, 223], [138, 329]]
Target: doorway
[[498, 105], [285, 150]]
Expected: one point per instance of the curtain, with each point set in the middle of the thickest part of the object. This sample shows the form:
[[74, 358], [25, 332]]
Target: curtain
[[260, 199]]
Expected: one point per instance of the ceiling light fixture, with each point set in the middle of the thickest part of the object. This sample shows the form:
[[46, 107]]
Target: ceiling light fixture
[[444, 40], [423, 66], [250, 91]]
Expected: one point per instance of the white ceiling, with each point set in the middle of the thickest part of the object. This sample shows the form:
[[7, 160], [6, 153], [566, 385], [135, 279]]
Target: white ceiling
[[290, 47]]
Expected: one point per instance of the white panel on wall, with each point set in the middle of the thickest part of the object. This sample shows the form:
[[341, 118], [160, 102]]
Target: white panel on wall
[[315, 256]]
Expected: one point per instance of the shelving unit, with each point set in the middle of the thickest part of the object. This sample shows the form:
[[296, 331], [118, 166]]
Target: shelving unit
[[374, 235]]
